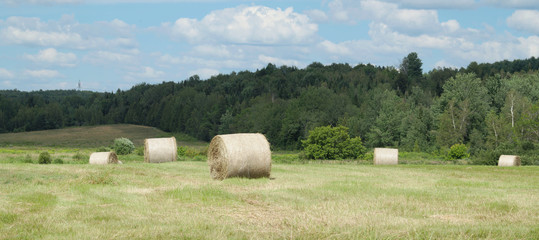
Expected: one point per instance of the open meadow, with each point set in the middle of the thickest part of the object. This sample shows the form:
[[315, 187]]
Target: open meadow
[[308, 201], [313, 200]]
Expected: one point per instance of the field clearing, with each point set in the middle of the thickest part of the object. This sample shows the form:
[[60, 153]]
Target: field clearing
[[308, 201], [91, 136]]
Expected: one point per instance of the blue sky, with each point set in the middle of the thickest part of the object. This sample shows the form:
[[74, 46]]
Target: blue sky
[[115, 44]]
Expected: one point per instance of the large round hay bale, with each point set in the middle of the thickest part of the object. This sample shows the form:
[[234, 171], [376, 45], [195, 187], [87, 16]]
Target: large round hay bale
[[158, 150], [239, 155], [104, 158], [386, 156], [509, 160]]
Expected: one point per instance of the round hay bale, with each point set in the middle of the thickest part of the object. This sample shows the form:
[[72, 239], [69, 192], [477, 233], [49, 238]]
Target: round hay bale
[[508, 161], [104, 158], [239, 155], [386, 156], [159, 150]]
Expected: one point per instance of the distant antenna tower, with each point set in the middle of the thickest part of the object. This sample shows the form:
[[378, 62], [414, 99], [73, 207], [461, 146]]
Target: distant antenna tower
[[79, 85]]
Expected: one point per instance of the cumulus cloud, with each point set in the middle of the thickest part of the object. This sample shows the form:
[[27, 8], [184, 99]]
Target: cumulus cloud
[[43, 73], [53, 57], [410, 21], [4, 73], [247, 25], [395, 30], [525, 20], [385, 43], [66, 33]]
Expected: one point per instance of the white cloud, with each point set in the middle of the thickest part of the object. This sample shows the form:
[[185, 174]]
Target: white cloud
[[525, 20], [53, 57], [44, 73], [65, 33], [460, 46], [317, 15], [4, 73], [410, 21], [451, 26], [511, 3], [247, 25], [39, 38], [413, 21]]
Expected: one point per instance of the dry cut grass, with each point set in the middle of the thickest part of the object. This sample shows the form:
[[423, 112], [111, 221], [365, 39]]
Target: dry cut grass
[[312, 201], [90, 136]]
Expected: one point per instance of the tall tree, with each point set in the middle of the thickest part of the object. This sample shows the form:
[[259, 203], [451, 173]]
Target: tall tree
[[461, 108], [412, 72]]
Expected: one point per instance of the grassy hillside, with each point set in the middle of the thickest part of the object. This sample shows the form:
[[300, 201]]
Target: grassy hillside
[[88, 136], [314, 201]]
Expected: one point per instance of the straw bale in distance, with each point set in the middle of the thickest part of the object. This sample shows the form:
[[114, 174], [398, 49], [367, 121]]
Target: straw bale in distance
[[158, 150], [386, 156], [239, 155], [104, 158], [509, 160]]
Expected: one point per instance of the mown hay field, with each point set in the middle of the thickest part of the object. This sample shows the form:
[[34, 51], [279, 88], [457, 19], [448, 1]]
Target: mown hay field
[[90, 136], [177, 200]]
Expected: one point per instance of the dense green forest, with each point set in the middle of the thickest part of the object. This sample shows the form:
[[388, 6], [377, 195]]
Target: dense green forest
[[490, 107]]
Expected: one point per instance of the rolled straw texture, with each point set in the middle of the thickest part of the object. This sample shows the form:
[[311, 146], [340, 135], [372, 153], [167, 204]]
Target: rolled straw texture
[[159, 150], [508, 161], [386, 156], [239, 155], [104, 158]]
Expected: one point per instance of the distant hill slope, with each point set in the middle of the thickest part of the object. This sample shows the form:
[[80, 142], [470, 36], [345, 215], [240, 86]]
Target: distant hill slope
[[88, 136]]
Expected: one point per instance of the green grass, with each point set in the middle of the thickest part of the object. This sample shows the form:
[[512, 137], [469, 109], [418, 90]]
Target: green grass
[[307, 201]]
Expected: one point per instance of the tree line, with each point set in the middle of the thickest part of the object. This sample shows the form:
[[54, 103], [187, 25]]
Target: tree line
[[490, 107]]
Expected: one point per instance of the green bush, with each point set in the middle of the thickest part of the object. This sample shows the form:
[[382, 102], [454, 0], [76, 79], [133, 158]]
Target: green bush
[[458, 151], [139, 151], [79, 157], [44, 158], [123, 146], [332, 143], [181, 151], [58, 161], [527, 146], [368, 156]]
